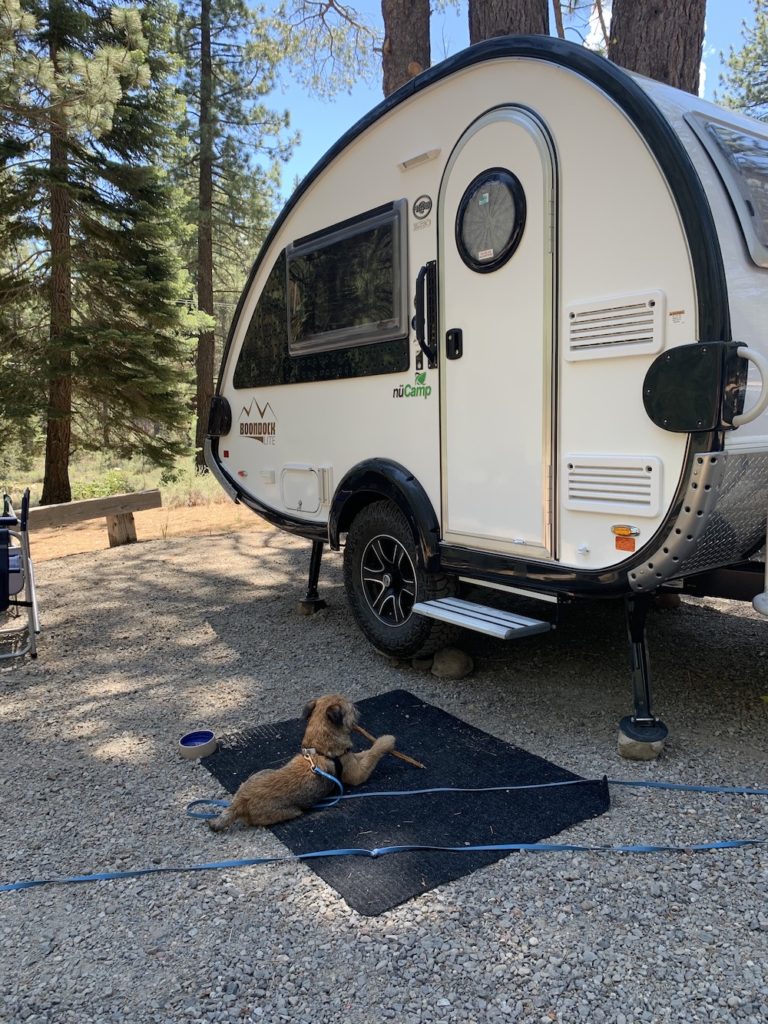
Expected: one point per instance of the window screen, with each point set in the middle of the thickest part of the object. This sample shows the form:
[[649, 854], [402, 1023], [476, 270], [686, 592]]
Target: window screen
[[742, 159], [265, 361], [346, 285]]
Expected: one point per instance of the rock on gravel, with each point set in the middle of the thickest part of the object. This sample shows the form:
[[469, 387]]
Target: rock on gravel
[[146, 642], [451, 663]]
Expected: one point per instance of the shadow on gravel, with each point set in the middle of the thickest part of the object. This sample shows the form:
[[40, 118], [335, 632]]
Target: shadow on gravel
[[173, 624]]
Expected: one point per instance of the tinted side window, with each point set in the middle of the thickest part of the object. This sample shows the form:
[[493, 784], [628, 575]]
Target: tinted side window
[[741, 158], [346, 284], [264, 359], [264, 354], [748, 156]]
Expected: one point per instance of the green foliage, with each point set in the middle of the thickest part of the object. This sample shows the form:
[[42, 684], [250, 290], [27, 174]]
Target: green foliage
[[51, 60], [746, 80], [329, 44], [249, 140], [185, 487], [97, 78], [114, 481], [99, 112]]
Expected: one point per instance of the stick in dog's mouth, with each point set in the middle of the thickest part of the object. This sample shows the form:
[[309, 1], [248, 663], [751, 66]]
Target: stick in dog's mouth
[[395, 753]]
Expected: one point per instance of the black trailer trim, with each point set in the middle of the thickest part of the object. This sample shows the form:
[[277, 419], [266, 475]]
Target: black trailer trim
[[291, 524], [543, 577], [375, 479]]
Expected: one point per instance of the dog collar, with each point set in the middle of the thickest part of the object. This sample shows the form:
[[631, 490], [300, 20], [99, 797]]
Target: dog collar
[[310, 753]]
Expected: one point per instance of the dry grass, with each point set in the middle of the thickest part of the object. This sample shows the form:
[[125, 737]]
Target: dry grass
[[221, 517]]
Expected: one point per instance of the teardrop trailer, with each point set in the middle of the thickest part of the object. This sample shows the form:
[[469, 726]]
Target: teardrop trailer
[[509, 334]]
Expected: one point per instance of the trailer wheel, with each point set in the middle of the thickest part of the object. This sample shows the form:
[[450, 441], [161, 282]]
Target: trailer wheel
[[383, 581]]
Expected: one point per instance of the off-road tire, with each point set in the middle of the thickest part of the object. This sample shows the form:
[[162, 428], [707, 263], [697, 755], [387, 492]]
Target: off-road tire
[[380, 541]]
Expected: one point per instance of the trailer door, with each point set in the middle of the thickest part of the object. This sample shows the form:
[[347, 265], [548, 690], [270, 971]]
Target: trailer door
[[497, 213]]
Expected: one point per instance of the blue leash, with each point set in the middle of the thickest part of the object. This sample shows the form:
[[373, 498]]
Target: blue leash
[[329, 801], [744, 790], [383, 851], [723, 844], [332, 801]]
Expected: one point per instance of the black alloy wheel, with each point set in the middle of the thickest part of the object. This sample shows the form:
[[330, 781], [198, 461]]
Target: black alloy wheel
[[388, 580], [383, 581]]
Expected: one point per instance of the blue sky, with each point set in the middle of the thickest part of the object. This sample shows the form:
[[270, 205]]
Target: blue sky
[[320, 122]]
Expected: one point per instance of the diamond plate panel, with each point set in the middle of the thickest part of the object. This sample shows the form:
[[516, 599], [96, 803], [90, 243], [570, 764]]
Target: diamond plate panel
[[723, 519]]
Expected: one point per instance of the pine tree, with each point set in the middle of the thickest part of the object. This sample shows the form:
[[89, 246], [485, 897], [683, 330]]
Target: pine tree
[[662, 41], [406, 47], [328, 44], [84, 132], [489, 18], [746, 80]]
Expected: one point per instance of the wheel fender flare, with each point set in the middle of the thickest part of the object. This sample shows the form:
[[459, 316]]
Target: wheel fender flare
[[373, 480]]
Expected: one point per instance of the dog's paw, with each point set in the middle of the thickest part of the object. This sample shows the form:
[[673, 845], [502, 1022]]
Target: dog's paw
[[386, 744]]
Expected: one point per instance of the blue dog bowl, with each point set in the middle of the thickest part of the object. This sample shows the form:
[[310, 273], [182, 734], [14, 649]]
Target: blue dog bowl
[[198, 744]]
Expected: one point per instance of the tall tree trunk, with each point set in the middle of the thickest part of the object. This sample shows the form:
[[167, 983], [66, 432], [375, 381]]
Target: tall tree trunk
[[557, 10], [489, 18], [406, 50], [661, 40], [205, 341], [56, 487]]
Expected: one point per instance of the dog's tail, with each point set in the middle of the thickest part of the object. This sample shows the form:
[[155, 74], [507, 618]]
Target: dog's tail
[[224, 820]]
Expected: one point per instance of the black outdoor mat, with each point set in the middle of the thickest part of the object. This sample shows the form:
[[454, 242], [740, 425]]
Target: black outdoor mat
[[455, 754]]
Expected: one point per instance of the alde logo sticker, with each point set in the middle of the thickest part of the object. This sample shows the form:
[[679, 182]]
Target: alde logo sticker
[[422, 207], [419, 389], [257, 423]]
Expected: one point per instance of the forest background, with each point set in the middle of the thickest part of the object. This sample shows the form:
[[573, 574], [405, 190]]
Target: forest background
[[145, 150]]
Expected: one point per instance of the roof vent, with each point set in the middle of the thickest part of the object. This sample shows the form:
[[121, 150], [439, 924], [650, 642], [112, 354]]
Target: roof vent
[[622, 326], [613, 483]]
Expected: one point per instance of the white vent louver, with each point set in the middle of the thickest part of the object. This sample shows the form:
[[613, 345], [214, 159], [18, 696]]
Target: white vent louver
[[629, 485], [622, 326]]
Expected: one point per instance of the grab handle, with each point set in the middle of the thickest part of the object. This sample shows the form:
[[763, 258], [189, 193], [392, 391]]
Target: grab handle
[[762, 403], [421, 302]]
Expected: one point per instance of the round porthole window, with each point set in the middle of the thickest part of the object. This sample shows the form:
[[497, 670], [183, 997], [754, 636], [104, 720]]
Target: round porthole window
[[490, 220]]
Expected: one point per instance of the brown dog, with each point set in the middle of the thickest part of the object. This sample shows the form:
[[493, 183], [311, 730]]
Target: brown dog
[[279, 794]]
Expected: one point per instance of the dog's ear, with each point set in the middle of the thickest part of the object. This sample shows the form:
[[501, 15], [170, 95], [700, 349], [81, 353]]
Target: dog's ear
[[335, 715], [308, 709]]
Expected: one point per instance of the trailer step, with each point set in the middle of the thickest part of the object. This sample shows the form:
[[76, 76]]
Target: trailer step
[[481, 618]]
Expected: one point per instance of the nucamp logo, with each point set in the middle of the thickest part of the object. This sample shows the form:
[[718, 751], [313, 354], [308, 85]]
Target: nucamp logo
[[419, 389], [257, 423]]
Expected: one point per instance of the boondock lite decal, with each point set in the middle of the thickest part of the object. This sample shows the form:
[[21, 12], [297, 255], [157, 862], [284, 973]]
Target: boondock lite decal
[[262, 429]]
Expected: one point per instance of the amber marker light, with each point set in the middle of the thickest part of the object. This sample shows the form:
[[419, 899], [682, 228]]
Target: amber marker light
[[625, 531]]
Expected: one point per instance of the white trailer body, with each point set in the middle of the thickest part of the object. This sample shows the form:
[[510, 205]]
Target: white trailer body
[[578, 405]]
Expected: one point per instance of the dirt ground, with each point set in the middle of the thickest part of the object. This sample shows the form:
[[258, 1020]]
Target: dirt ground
[[154, 524]]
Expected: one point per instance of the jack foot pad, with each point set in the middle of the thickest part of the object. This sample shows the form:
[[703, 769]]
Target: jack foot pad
[[641, 742], [309, 607]]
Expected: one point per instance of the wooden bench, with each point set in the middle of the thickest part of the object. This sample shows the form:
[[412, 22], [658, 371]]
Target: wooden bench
[[118, 510]]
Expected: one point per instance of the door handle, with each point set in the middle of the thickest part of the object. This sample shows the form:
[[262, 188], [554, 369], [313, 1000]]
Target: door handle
[[454, 343]]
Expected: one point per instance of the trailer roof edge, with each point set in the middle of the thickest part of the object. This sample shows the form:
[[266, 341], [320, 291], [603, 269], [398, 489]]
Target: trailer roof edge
[[714, 317]]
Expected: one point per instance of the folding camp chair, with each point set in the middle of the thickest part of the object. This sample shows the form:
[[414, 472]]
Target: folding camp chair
[[17, 581]]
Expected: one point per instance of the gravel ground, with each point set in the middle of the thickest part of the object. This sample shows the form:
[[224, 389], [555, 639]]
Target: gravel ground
[[145, 642]]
